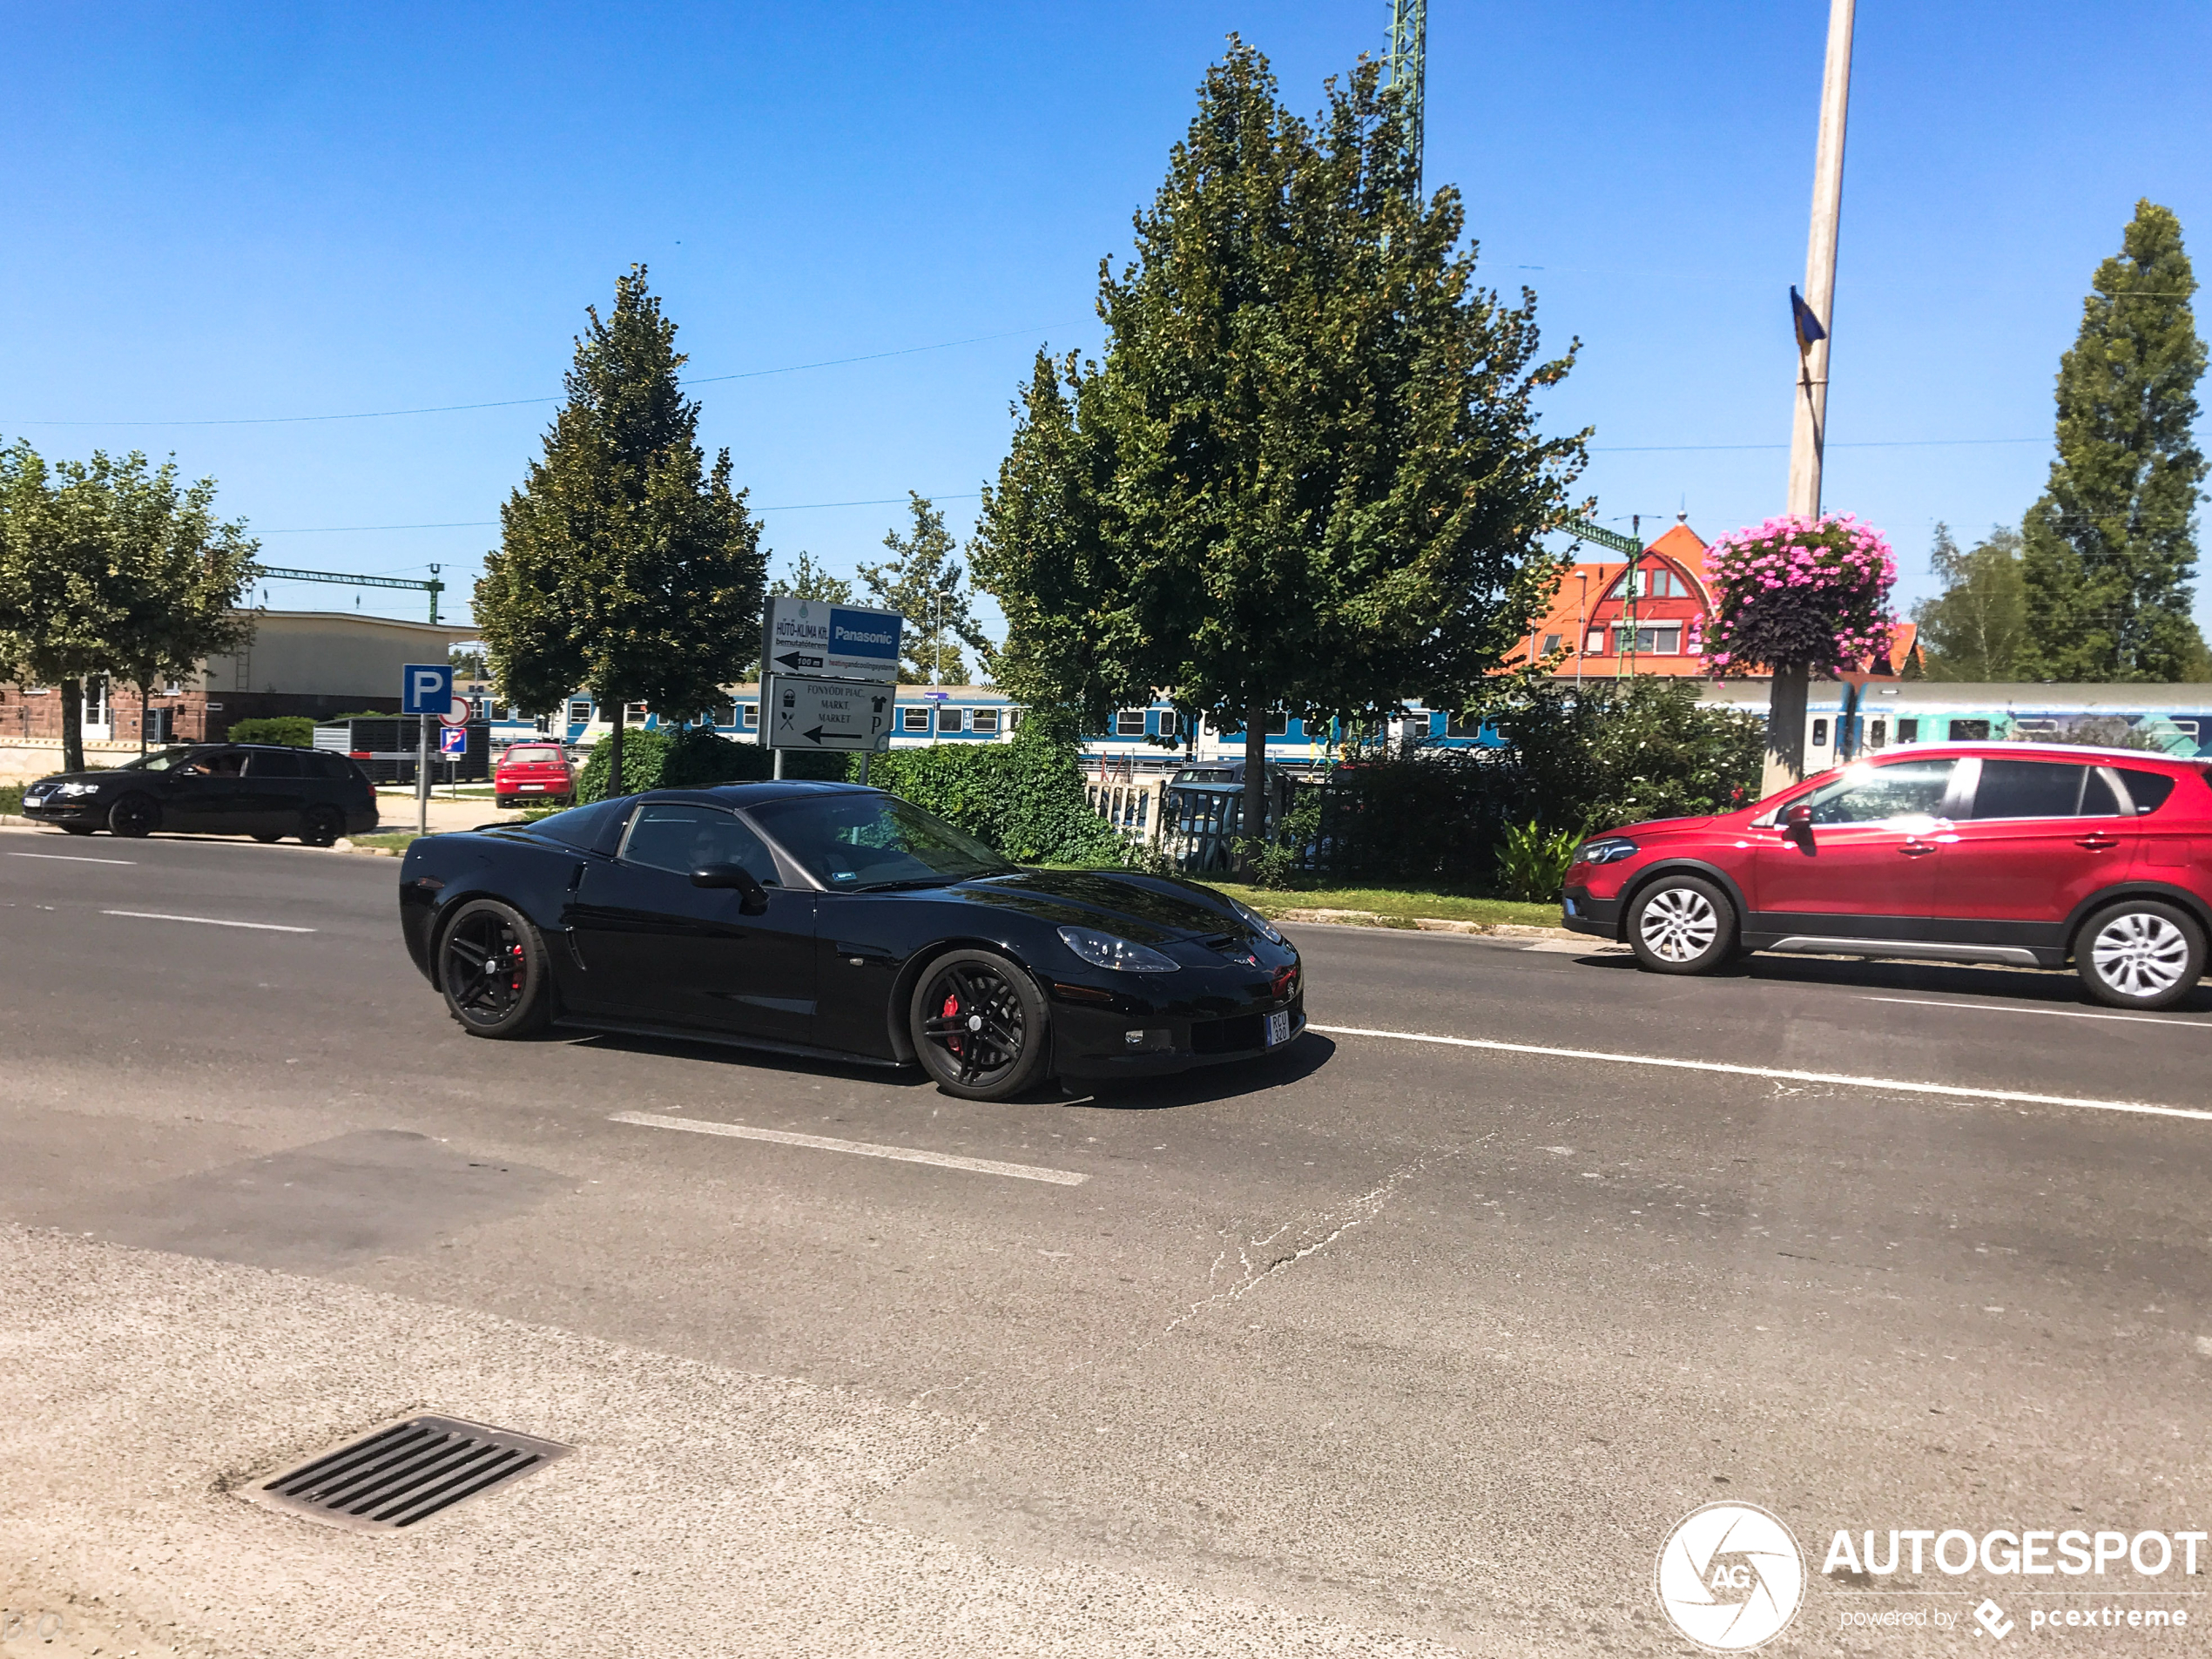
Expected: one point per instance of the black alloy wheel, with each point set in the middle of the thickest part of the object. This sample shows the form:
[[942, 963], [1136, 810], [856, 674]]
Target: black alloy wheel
[[491, 965], [321, 827], [134, 815], [978, 1025]]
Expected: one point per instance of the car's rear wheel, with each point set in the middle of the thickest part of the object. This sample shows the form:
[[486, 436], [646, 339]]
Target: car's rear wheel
[[134, 815], [321, 827], [1681, 924], [493, 970], [266, 836], [978, 1025], [2139, 954]]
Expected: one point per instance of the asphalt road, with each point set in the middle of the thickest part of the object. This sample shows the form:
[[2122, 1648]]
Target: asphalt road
[[1390, 1343]]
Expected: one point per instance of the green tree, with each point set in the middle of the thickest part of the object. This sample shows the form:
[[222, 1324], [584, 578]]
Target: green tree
[[1308, 475], [56, 605], [808, 580], [1975, 628], [625, 565], [180, 576], [925, 582], [2110, 550]]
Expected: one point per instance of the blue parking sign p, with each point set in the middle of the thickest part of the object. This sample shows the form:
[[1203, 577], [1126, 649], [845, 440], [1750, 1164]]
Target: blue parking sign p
[[426, 688]]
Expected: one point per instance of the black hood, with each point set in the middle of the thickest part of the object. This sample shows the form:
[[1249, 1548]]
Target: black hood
[[1147, 908], [91, 775]]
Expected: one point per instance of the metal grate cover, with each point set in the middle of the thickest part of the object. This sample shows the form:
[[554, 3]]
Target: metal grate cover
[[404, 1473]]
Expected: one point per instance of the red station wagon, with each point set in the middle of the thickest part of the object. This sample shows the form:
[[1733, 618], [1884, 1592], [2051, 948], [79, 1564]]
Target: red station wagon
[[529, 772], [2014, 852]]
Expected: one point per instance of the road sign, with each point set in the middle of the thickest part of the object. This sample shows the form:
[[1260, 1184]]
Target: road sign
[[453, 741], [426, 688], [842, 715], [815, 639], [460, 713]]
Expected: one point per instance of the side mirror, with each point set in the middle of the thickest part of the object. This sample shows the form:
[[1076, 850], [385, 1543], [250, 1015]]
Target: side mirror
[[752, 898], [1797, 820]]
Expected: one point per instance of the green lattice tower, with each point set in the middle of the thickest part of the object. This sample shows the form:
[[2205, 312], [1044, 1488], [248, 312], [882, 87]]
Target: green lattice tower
[[1405, 64]]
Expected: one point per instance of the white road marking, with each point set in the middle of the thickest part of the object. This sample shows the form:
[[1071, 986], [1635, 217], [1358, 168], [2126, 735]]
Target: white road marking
[[1886, 1085], [864, 1149], [71, 858], [2059, 1014], [209, 921]]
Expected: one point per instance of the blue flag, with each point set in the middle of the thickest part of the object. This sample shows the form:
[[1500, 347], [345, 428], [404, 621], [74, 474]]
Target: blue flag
[[1808, 329]]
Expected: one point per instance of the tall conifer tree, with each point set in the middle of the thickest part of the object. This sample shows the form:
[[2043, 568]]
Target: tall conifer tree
[[2111, 548], [625, 565]]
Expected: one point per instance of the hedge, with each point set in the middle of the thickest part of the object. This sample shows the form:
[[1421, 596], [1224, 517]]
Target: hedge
[[1023, 798], [295, 730]]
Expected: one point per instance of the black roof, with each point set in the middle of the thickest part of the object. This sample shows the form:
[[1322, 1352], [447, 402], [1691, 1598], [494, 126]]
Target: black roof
[[758, 794]]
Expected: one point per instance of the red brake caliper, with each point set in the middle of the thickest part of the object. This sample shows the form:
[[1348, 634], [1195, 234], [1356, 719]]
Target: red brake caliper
[[951, 1011]]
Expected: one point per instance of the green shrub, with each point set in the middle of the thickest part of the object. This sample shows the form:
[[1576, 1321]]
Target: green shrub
[[1023, 798], [691, 759], [11, 799], [1532, 861], [297, 729]]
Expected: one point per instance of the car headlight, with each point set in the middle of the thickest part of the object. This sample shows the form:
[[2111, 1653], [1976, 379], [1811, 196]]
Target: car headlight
[[1608, 851], [77, 789], [1104, 950], [1257, 922]]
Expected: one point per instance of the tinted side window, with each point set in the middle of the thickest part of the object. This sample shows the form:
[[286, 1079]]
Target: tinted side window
[[670, 835], [2148, 790], [2028, 789], [581, 825], [2099, 797], [272, 765], [1870, 794]]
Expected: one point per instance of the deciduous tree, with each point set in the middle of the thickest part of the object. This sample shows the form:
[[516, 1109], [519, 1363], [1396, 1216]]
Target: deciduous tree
[[925, 582], [1975, 628], [626, 564], [2110, 550], [1308, 475]]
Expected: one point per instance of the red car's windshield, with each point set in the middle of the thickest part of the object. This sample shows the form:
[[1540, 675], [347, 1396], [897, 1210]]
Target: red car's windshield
[[534, 757]]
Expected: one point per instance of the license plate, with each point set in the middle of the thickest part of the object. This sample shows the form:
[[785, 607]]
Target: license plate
[[1279, 1027], [528, 787]]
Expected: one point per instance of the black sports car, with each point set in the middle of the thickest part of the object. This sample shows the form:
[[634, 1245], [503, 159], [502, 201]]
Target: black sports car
[[837, 920]]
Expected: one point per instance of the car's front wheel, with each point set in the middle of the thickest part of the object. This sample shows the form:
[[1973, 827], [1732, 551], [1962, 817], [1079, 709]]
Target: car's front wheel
[[493, 970], [134, 815], [978, 1025], [1681, 924], [2139, 954]]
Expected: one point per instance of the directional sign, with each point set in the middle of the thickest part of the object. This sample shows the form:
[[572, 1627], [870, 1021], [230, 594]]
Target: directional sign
[[810, 638], [453, 741], [843, 715], [460, 714], [426, 688]]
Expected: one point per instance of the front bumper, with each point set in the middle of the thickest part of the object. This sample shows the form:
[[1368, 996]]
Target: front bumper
[[77, 809], [1091, 1042], [1582, 913]]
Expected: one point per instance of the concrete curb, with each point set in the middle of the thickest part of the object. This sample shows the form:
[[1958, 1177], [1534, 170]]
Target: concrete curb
[[1423, 924]]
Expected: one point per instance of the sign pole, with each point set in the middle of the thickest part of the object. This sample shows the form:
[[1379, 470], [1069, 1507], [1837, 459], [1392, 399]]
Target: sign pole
[[422, 775]]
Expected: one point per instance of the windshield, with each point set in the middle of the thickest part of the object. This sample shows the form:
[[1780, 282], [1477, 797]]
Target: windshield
[[534, 755], [850, 843], [160, 761]]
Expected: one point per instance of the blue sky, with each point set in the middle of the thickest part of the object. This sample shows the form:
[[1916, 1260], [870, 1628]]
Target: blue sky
[[226, 214]]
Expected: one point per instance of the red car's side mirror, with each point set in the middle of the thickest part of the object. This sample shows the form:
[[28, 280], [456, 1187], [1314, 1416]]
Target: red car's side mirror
[[1798, 819]]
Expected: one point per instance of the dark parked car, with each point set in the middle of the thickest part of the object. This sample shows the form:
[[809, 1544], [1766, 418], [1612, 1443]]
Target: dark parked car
[[2006, 852], [261, 790], [832, 919]]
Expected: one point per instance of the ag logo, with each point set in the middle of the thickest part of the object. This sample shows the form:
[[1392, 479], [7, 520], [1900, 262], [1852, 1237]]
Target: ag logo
[[1730, 1577]]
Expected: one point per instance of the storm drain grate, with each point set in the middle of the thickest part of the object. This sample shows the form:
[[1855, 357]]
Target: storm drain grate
[[405, 1473]]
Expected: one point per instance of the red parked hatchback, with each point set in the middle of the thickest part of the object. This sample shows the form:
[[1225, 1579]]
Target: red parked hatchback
[[2012, 853], [529, 772]]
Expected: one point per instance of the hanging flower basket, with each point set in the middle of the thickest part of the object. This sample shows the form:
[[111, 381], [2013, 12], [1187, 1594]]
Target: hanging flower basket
[[1800, 593]]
